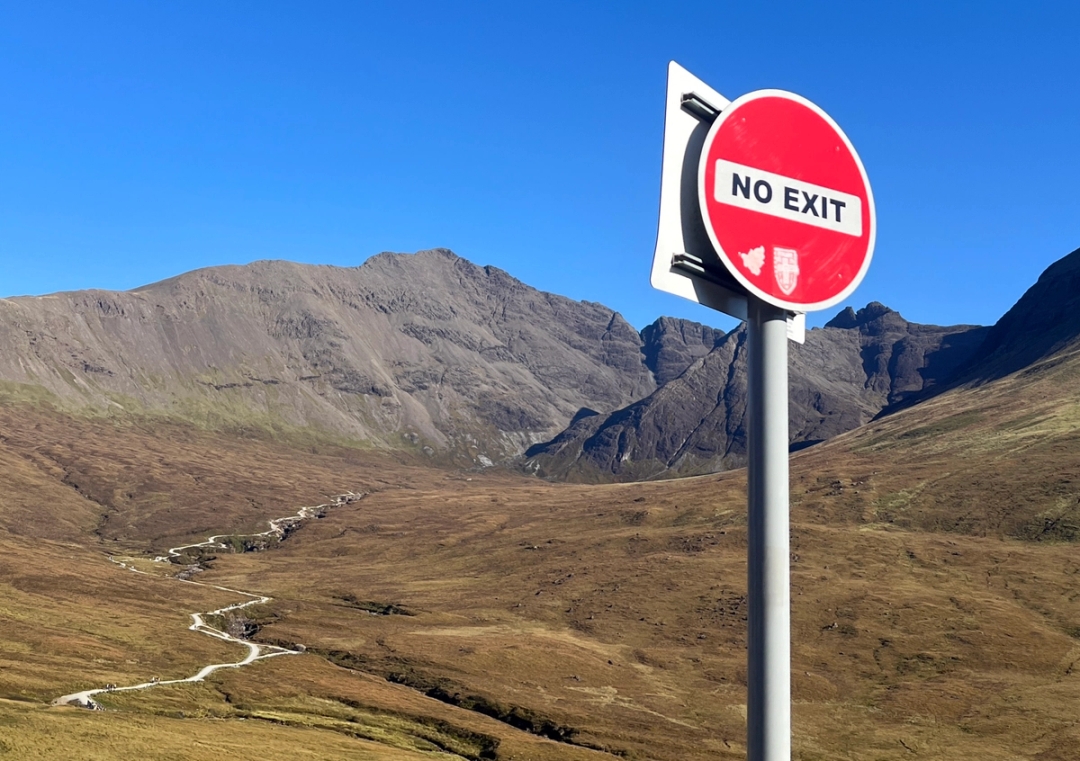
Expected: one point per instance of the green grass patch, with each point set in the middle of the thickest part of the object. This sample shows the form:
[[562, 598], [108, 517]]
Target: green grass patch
[[945, 425]]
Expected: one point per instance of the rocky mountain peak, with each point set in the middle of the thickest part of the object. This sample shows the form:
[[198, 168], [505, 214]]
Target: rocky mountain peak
[[425, 350], [875, 318], [671, 345], [845, 320]]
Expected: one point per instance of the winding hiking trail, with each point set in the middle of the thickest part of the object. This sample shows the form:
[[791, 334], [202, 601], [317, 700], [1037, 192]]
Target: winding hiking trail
[[279, 528]]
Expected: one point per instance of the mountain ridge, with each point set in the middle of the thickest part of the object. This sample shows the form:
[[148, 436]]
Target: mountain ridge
[[431, 353], [424, 351], [859, 365]]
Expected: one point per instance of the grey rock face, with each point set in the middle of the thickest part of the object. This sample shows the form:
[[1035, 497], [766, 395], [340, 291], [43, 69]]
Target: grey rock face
[[844, 375], [671, 345], [425, 350]]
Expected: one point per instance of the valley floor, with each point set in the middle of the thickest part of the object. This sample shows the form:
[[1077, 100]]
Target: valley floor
[[483, 615]]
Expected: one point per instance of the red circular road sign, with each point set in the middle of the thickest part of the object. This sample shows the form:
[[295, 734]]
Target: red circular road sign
[[786, 201]]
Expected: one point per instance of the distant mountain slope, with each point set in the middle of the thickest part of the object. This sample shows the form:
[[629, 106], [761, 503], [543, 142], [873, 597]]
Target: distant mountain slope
[[424, 350], [1044, 321], [843, 376], [432, 353]]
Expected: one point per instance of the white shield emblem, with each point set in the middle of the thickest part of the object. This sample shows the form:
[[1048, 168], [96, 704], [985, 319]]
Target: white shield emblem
[[786, 269]]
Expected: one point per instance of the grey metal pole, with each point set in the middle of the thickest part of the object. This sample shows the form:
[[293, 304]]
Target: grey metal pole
[[768, 709]]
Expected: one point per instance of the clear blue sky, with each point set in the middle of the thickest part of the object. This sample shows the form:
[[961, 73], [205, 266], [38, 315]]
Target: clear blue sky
[[140, 140]]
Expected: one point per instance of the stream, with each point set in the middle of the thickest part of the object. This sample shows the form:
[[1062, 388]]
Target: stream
[[279, 528]]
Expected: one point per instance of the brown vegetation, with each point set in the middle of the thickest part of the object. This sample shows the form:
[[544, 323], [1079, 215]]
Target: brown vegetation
[[936, 596]]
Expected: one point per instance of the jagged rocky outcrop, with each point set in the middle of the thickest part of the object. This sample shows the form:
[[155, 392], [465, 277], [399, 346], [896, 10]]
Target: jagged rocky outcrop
[[845, 374], [671, 345]]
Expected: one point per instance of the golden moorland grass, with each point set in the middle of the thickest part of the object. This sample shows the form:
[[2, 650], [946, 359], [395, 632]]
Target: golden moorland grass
[[935, 582]]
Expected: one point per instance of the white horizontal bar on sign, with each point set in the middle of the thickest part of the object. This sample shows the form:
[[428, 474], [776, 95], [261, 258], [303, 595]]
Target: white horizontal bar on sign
[[787, 198]]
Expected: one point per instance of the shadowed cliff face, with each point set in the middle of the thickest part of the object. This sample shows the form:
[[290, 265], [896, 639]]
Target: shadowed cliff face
[[844, 375], [671, 345], [424, 350]]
